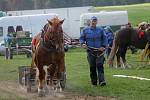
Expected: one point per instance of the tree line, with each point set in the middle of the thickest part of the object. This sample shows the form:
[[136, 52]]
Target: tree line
[[7, 5]]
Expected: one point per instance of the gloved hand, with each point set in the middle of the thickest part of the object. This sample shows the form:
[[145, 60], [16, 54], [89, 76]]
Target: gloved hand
[[101, 49], [84, 46]]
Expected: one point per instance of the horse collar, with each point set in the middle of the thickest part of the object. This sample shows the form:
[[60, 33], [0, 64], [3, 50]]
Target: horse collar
[[51, 49]]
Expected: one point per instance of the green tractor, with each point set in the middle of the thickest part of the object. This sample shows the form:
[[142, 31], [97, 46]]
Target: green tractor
[[17, 42], [2, 14]]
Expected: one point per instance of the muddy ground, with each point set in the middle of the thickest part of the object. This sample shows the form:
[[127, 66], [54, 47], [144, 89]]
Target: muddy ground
[[20, 93]]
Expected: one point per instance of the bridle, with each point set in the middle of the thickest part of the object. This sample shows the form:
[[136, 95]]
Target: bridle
[[51, 41]]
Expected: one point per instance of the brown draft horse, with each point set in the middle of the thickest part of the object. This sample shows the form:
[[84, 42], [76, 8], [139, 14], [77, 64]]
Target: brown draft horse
[[124, 38], [48, 55]]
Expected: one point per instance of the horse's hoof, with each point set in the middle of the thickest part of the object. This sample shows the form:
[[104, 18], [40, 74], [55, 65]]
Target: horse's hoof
[[127, 67], [46, 90], [60, 90], [118, 66], [41, 94]]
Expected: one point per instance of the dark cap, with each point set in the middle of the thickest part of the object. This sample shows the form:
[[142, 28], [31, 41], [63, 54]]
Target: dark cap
[[93, 18]]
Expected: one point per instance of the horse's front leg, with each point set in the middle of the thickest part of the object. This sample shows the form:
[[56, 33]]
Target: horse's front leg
[[57, 84], [60, 70], [55, 80], [118, 60], [123, 55], [125, 65], [42, 82], [124, 62]]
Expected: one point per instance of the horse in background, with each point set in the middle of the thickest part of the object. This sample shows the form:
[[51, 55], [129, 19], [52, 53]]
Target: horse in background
[[126, 37], [48, 55]]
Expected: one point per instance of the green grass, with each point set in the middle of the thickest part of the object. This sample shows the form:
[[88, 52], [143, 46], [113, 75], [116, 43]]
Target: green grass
[[136, 13], [78, 70], [78, 77], [121, 88], [9, 68]]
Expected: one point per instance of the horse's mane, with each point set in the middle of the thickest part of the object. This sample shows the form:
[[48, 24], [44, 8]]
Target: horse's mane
[[55, 20]]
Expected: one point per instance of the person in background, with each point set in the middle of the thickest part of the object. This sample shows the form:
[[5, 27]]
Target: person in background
[[93, 38], [110, 38]]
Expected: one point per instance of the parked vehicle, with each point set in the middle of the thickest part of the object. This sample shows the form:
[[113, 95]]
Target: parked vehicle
[[115, 19], [2, 48], [2, 14]]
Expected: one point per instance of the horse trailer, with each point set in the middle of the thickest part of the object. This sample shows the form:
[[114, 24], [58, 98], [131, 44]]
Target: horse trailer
[[115, 19]]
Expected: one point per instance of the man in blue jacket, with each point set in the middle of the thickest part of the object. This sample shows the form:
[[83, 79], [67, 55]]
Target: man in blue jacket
[[93, 38]]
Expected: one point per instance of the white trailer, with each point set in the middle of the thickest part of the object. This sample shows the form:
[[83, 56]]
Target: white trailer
[[114, 19], [71, 24], [30, 23]]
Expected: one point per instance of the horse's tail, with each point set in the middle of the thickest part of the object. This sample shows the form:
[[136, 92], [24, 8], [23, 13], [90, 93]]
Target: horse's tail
[[32, 62], [114, 49], [33, 51]]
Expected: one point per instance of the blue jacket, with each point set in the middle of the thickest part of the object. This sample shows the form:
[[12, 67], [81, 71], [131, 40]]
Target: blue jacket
[[110, 37], [93, 37]]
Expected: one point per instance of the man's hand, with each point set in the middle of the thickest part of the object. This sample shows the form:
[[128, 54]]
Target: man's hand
[[84, 46], [101, 49]]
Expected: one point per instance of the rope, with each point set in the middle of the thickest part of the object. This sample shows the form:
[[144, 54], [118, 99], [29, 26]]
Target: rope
[[96, 50]]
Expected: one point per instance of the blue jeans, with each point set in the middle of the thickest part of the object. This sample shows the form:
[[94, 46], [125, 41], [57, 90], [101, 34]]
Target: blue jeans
[[96, 62], [108, 50]]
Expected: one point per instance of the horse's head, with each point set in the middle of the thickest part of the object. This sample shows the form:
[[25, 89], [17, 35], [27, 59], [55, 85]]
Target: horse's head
[[143, 25], [54, 32], [55, 25]]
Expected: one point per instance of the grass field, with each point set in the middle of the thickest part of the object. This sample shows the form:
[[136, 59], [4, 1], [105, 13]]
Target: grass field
[[78, 80], [137, 13]]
